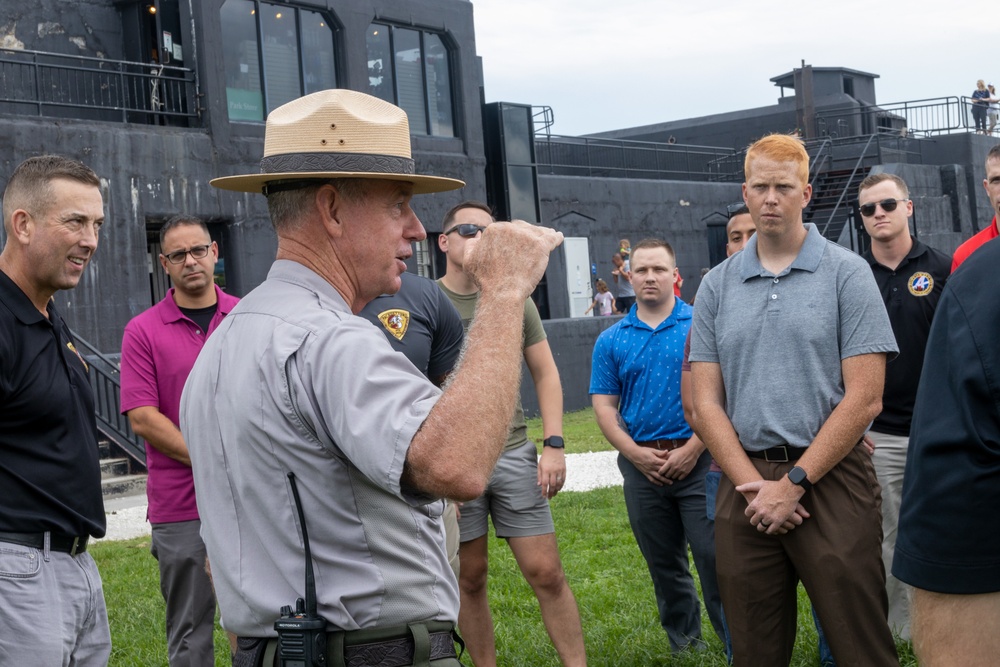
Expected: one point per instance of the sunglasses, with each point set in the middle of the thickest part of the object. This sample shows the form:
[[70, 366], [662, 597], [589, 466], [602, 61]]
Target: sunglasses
[[888, 205], [466, 230], [180, 256]]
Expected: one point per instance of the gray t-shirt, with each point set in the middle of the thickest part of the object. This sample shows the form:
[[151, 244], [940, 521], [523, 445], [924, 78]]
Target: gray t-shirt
[[293, 381], [780, 340], [624, 286]]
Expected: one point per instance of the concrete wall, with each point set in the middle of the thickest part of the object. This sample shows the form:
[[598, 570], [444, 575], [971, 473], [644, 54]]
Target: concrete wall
[[968, 151], [572, 343], [606, 210]]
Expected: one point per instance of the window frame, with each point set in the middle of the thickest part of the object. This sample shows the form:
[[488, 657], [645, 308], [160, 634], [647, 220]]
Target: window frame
[[334, 27], [449, 48]]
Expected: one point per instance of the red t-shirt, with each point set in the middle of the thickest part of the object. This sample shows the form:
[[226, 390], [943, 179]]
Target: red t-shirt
[[973, 244]]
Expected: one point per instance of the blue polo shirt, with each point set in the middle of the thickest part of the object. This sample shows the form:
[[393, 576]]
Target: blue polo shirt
[[642, 366]]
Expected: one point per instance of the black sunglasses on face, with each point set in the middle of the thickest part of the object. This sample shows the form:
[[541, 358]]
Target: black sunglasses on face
[[888, 205], [180, 256], [466, 230]]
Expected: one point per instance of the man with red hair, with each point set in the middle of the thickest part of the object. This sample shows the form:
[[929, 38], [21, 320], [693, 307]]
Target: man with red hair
[[788, 352]]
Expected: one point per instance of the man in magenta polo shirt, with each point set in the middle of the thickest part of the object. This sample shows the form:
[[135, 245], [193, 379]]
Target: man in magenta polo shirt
[[158, 350]]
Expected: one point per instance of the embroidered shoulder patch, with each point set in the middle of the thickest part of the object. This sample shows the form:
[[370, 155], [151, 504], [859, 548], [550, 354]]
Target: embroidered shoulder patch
[[395, 321]]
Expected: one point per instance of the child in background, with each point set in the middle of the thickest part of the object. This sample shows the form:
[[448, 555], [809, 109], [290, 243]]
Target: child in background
[[624, 248], [604, 298]]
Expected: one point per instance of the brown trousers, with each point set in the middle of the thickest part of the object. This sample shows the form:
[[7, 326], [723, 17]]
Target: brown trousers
[[837, 554]]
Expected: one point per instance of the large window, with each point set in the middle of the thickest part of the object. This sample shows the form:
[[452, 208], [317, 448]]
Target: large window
[[410, 68], [273, 54]]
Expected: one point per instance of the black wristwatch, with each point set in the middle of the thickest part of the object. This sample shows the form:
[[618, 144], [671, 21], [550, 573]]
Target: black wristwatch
[[554, 441], [798, 476]]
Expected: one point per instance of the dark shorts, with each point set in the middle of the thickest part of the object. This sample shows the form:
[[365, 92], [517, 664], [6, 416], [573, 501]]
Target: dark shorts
[[513, 499]]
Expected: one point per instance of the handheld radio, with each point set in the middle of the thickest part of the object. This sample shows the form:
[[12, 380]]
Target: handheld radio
[[302, 633]]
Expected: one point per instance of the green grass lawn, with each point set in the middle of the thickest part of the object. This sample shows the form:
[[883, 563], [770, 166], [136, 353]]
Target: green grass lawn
[[601, 560], [579, 431]]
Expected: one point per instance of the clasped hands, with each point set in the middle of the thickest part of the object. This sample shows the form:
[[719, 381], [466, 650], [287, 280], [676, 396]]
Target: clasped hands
[[774, 507], [663, 468]]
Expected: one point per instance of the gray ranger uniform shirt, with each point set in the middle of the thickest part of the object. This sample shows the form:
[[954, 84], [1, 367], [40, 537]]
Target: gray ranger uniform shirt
[[293, 381], [779, 339]]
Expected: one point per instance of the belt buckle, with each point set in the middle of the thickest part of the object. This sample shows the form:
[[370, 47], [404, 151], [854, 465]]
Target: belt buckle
[[76, 545], [783, 448]]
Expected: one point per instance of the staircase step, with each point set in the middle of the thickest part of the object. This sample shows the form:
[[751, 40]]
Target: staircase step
[[124, 485], [103, 448], [114, 467]]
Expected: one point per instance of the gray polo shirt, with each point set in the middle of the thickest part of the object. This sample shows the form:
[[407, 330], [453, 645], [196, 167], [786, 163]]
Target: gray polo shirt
[[780, 339], [293, 381]]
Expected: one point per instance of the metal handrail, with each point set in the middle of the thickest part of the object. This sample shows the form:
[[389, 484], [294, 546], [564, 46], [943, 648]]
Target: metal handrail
[[926, 117], [106, 385], [621, 158], [121, 89], [850, 181], [542, 118], [823, 154]]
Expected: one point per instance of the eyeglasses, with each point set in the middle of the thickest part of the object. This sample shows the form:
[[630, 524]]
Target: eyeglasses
[[180, 256], [888, 205], [734, 210], [467, 230]]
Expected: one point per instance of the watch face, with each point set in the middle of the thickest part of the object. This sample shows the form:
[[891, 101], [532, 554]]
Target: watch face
[[796, 475]]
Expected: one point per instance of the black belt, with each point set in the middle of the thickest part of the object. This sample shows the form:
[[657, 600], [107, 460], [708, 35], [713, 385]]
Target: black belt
[[69, 544], [392, 652], [779, 454], [664, 444], [398, 652]]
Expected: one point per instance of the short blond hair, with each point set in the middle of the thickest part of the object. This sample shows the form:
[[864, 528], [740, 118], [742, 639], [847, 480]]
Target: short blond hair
[[779, 148]]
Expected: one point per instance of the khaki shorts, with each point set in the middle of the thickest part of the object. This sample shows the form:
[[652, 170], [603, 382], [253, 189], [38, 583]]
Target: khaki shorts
[[513, 499]]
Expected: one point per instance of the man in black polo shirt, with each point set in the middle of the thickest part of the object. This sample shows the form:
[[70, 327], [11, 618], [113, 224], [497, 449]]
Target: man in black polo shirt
[[910, 276], [51, 602], [421, 322]]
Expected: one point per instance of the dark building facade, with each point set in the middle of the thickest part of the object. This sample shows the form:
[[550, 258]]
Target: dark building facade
[[161, 96]]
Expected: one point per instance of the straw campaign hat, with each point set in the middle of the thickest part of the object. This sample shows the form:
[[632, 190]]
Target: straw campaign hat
[[336, 134]]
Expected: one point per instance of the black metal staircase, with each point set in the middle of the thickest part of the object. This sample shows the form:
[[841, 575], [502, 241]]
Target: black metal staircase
[[834, 193], [123, 453]]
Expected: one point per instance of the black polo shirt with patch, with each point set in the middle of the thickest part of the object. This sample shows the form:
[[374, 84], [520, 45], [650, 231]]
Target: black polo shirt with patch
[[911, 293], [50, 478], [420, 321]]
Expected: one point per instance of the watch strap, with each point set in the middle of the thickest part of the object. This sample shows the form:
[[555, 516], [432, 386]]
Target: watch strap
[[554, 441]]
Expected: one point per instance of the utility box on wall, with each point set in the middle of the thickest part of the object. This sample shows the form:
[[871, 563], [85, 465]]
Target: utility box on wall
[[581, 293]]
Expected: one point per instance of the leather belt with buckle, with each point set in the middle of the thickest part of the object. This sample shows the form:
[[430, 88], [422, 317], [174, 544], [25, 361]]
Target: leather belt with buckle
[[69, 544], [779, 454], [664, 444]]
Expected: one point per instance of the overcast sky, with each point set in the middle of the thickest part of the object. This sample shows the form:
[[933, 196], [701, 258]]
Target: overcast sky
[[604, 65]]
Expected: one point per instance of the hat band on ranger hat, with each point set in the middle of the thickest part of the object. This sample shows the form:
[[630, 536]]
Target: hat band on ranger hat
[[337, 162], [331, 134]]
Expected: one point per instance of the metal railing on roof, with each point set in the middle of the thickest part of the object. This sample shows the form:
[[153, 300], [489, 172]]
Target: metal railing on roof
[[542, 119], [106, 385], [617, 158], [53, 84], [913, 118]]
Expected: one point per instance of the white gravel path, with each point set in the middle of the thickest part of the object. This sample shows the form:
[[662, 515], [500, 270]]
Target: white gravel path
[[127, 516]]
